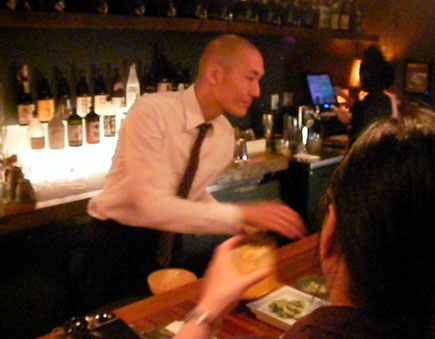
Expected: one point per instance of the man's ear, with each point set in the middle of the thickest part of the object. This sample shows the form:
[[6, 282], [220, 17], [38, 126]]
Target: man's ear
[[328, 245], [214, 73]]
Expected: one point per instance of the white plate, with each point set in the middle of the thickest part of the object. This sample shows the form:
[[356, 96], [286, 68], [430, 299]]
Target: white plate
[[261, 309]]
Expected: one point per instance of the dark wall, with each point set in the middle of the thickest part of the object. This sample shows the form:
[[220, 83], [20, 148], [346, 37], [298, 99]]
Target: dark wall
[[407, 32]]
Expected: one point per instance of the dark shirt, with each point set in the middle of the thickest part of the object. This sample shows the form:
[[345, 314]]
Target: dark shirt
[[375, 105], [348, 322]]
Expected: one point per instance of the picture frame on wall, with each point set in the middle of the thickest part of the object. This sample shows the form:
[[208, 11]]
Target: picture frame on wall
[[417, 77]]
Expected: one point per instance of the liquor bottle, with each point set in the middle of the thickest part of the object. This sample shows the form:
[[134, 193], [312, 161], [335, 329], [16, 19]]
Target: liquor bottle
[[357, 19], [324, 14], [162, 8], [243, 10], [309, 14], [133, 87], [92, 122], [219, 10], [334, 22], [315, 10], [201, 9], [26, 105], [36, 134], [52, 5], [75, 129], [27, 5], [99, 6], [345, 16], [170, 8], [45, 102], [63, 97], [266, 11], [9, 5], [286, 13], [149, 82], [56, 132], [276, 12], [100, 94], [83, 97], [134, 7], [297, 13], [118, 93]]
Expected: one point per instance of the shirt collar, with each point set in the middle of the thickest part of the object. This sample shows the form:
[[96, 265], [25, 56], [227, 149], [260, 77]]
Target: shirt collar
[[192, 110]]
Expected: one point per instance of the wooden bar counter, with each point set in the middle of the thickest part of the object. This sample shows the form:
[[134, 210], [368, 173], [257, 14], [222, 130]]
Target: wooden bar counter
[[295, 260]]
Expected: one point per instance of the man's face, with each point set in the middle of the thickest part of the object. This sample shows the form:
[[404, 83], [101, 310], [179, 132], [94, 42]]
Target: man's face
[[240, 83]]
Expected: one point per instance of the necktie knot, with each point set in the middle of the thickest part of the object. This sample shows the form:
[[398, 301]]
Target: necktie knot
[[203, 128]]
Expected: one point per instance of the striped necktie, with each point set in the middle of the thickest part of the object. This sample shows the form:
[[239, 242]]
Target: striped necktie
[[166, 240]]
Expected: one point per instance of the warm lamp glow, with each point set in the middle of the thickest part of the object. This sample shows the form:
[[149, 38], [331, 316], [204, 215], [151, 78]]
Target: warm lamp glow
[[354, 80], [362, 95], [340, 99]]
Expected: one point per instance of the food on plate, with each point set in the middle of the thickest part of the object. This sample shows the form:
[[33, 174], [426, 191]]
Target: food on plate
[[287, 308]]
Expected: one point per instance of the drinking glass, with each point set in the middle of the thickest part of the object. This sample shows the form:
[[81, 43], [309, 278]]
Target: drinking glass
[[254, 252]]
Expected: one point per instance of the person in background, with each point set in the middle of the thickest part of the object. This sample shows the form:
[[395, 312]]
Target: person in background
[[376, 75], [140, 198], [376, 244]]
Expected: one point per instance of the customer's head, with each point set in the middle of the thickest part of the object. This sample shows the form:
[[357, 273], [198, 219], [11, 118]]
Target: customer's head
[[375, 72], [230, 69], [383, 195]]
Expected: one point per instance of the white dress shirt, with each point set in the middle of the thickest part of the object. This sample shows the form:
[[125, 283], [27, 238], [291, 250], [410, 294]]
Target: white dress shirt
[[151, 156]]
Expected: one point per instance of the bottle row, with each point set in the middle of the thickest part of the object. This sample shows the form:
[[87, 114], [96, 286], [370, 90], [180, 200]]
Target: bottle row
[[107, 96], [347, 15], [75, 131]]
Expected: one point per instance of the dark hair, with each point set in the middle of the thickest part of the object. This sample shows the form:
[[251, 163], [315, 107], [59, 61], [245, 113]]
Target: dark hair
[[384, 197], [375, 72]]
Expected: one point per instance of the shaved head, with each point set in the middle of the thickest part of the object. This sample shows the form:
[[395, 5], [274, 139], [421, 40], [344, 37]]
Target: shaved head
[[223, 50]]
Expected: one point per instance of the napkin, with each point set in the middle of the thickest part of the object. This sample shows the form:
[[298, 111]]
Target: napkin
[[176, 326]]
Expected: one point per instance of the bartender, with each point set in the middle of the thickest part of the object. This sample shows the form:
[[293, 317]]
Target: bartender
[[144, 202]]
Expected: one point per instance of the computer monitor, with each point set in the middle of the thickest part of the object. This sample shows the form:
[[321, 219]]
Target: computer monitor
[[321, 90]]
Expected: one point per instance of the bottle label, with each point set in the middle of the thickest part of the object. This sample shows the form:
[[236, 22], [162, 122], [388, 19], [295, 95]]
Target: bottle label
[[63, 109], [324, 17], [45, 110], [37, 142], [100, 104], [25, 114], [83, 106], [344, 22], [75, 136], [109, 125], [93, 132], [56, 137], [335, 21]]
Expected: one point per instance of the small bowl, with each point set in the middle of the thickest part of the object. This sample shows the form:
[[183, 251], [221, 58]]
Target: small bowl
[[167, 279], [314, 285]]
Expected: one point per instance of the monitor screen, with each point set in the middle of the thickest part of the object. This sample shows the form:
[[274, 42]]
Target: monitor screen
[[321, 90]]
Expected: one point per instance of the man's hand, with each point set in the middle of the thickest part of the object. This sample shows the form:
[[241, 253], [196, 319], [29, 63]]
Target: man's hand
[[274, 216]]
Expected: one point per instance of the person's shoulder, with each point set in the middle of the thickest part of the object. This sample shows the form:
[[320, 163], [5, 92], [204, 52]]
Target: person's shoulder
[[155, 104], [160, 98]]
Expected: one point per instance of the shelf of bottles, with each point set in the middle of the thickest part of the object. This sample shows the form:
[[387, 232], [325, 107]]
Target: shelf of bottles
[[62, 135], [342, 19]]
